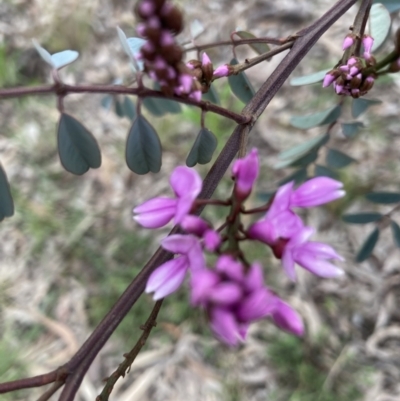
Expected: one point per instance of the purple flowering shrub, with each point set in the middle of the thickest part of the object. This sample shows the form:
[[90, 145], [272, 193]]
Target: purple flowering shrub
[[231, 291]]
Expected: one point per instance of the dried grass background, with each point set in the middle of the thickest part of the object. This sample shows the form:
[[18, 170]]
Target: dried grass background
[[72, 247]]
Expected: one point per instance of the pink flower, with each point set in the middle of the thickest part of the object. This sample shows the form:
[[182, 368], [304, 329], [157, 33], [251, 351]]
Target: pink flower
[[245, 172], [157, 212], [368, 42], [232, 298], [348, 42], [168, 277], [316, 192], [312, 256], [328, 79]]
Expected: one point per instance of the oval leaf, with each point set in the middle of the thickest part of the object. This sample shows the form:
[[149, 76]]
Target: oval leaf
[[43, 53], [361, 218], [359, 106], [259, 48], [322, 171], [368, 246], [288, 157], [77, 147], [6, 200], [396, 233], [391, 5], [337, 159], [240, 85], [202, 149], [143, 147], [298, 177], [385, 198], [379, 24], [309, 79], [350, 130], [314, 120], [64, 58], [129, 109]]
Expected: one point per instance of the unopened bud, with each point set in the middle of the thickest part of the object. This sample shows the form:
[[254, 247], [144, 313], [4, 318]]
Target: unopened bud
[[368, 42], [207, 68], [222, 71], [348, 41]]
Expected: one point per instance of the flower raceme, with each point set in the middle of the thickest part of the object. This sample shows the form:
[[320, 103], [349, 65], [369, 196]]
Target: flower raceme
[[233, 292]]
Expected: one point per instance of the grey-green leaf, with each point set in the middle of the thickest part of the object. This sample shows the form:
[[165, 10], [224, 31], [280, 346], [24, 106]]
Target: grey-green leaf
[[298, 177], [361, 218], [320, 118], [359, 106], [240, 85], [385, 198], [379, 24], [211, 95], [259, 48], [322, 171], [129, 108], [368, 246], [391, 5], [6, 200], [395, 232], [143, 147], [350, 130], [202, 149], [337, 159], [309, 79], [288, 157], [77, 147]]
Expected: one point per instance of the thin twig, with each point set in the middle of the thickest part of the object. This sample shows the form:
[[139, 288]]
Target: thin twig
[[63, 90], [54, 387], [124, 367]]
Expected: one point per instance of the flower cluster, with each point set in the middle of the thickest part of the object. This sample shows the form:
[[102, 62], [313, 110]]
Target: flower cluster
[[353, 78], [162, 56], [233, 292]]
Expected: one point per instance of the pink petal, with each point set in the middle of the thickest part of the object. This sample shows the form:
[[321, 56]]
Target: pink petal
[[212, 240], [254, 279], [288, 264], [167, 278], [281, 201], [257, 305], [316, 191], [225, 293], [202, 283], [286, 318], [230, 267], [225, 326], [245, 172], [155, 212], [179, 243]]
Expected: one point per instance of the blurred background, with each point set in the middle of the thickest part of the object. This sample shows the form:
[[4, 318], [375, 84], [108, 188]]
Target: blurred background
[[72, 247]]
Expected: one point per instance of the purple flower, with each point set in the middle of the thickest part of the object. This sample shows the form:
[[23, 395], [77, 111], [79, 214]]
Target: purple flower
[[328, 79], [245, 172], [313, 256], [232, 298], [286, 318], [168, 277], [205, 60], [315, 192], [368, 42], [157, 212]]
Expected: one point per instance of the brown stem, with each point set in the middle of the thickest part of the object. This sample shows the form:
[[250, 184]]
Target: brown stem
[[55, 386], [236, 42], [63, 90], [124, 367]]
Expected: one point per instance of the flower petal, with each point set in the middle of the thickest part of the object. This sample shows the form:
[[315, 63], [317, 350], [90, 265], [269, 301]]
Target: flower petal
[[155, 212], [167, 278], [257, 305], [281, 201], [225, 326], [179, 243], [286, 318]]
